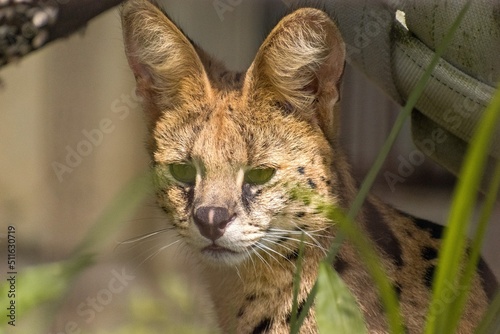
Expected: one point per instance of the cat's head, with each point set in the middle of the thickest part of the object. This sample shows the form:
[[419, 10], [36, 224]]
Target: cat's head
[[229, 149]]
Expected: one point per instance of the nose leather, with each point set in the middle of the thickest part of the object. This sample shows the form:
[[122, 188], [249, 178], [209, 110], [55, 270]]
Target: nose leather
[[212, 221]]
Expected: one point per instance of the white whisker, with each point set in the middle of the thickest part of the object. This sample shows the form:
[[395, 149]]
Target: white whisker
[[251, 259], [158, 252], [260, 256], [283, 256], [313, 232], [144, 252], [276, 240], [299, 241], [239, 275], [154, 240], [267, 250], [142, 237], [314, 240], [288, 235]]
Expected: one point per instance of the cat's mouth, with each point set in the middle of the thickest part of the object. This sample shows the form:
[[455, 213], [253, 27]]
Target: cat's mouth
[[216, 249], [222, 255]]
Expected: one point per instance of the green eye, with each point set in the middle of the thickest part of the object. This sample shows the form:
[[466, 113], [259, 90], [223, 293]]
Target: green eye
[[259, 175], [183, 173]]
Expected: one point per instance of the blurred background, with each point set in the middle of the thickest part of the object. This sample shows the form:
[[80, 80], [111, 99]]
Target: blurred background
[[72, 136]]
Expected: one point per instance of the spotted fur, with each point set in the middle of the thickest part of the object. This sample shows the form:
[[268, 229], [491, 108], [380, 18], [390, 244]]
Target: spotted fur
[[282, 114]]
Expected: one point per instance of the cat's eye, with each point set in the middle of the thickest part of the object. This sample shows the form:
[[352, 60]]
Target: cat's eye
[[259, 176], [184, 173]]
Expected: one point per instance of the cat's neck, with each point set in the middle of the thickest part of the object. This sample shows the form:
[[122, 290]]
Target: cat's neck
[[263, 284]]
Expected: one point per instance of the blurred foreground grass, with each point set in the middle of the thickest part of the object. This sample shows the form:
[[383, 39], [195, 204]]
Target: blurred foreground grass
[[172, 308]]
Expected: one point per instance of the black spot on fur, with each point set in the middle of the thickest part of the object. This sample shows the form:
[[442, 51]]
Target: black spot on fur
[[263, 326], [488, 279], [230, 108], [381, 234], [196, 128], [300, 214], [284, 106], [282, 240], [301, 170], [435, 230], [340, 265], [241, 312], [311, 184], [429, 253], [398, 290], [251, 297], [293, 255], [429, 276], [238, 77], [300, 307]]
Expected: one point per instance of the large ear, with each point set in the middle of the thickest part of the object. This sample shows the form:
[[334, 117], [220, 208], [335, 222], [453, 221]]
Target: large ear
[[299, 66], [167, 69]]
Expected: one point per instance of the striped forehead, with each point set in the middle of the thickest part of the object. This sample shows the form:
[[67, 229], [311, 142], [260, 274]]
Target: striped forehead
[[221, 141]]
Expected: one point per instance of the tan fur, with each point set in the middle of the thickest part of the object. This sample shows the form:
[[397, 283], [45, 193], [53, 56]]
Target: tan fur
[[283, 113]]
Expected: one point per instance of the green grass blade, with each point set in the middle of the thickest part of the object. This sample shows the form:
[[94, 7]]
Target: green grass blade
[[475, 249], [367, 252], [336, 309], [308, 304], [42, 284], [50, 282], [454, 243], [491, 320], [294, 324], [415, 94], [370, 258]]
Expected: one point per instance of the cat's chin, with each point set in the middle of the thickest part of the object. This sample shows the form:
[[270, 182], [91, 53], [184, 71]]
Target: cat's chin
[[221, 256]]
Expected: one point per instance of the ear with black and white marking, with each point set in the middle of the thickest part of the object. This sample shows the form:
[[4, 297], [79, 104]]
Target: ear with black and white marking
[[300, 65], [167, 69]]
